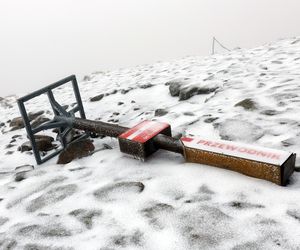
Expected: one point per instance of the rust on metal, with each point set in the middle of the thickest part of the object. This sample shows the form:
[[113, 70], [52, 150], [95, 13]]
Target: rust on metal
[[274, 173]]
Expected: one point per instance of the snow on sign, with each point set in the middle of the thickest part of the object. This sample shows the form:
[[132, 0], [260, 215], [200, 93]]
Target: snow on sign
[[264, 163], [138, 142]]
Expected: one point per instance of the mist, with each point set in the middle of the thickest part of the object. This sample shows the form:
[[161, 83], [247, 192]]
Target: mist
[[44, 41]]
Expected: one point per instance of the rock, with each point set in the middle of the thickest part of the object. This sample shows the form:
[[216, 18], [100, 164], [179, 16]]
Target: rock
[[16, 136], [2, 124], [17, 123], [26, 146], [210, 119], [39, 121], [187, 92], [160, 112], [146, 86], [238, 130], [97, 98], [247, 104], [188, 113], [44, 137], [270, 112], [125, 91], [174, 88], [244, 205], [43, 143], [22, 172], [86, 78], [9, 145], [120, 103], [76, 150], [32, 116]]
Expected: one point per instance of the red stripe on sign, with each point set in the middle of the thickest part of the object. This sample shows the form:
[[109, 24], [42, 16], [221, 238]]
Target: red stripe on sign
[[187, 139], [144, 131], [149, 133], [129, 132]]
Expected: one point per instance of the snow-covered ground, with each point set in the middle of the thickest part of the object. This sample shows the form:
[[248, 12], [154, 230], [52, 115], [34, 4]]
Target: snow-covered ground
[[112, 201]]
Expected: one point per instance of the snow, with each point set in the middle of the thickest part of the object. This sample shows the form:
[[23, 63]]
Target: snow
[[97, 202]]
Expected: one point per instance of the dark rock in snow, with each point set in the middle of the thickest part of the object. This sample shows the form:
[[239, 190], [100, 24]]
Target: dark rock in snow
[[35, 115], [17, 122], [187, 92], [174, 88], [39, 121], [120, 103], [188, 113], [43, 143], [146, 86], [244, 205], [160, 112], [270, 112], [76, 150], [247, 104], [22, 172], [97, 98]]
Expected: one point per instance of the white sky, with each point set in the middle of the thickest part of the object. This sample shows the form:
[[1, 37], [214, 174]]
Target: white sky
[[42, 41]]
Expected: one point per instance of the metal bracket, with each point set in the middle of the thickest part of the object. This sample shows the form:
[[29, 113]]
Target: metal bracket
[[63, 126]]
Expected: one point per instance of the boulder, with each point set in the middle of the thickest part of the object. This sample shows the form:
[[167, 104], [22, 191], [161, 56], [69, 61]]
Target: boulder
[[76, 150], [97, 98]]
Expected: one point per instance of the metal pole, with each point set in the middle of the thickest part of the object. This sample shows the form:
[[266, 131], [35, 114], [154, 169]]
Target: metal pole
[[113, 130]]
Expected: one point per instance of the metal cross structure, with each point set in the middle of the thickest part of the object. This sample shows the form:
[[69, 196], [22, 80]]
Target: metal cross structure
[[148, 136]]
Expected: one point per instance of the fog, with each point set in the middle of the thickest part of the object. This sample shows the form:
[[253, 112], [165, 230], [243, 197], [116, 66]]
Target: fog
[[44, 41]]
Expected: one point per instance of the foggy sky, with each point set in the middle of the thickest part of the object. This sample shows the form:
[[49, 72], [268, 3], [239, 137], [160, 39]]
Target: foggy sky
[[42, 41]]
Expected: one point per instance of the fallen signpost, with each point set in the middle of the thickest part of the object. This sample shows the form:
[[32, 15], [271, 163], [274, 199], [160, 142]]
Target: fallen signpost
[[148, 136]]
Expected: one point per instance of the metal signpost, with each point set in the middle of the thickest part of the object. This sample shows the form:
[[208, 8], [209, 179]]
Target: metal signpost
[[148, 136]]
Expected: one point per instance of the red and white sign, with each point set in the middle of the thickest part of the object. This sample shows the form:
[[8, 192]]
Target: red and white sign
[[144, 131], [241, 150]]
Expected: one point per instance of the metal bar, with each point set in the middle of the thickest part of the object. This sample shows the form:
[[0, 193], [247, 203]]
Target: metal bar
[[48, 125], [45, 89], [78, 97], [29, 131], [113, 130]]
